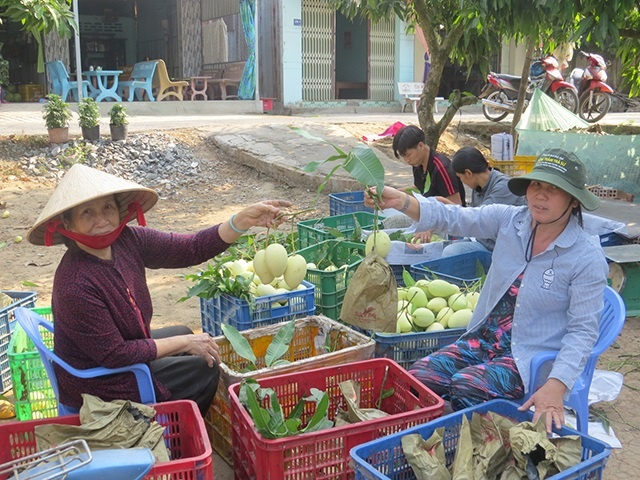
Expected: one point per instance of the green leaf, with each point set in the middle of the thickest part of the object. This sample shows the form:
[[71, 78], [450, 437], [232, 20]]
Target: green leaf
[[26, 283], [407, 279], [259, 415], [240, 344], [320, 414], [280, 343], [277, 417], [334, 232], [479, 269], [365, 166], [282, 361], [3, 244], [305, 134], [297, 411]]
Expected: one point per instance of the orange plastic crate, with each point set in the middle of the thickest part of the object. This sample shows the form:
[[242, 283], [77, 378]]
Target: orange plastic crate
[[184, 435], [325, 454]]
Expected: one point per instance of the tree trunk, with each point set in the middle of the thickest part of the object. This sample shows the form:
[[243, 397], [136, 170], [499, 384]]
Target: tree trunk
[[522, 92]]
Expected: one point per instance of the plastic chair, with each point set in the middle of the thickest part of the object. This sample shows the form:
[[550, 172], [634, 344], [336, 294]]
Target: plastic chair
[[60, 83], [31, 323], [611, 323]]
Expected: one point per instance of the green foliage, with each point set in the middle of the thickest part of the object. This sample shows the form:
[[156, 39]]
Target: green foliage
[[271, 422], [276, 349], [216, 280], [118, 115], [361, 162], [89, 113], [57, 112], [4, 69], [40, 17]]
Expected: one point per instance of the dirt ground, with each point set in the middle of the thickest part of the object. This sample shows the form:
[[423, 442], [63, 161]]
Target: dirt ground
[[27, 267]]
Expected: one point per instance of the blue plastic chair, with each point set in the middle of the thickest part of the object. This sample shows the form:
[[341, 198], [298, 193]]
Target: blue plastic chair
[[31, 323], [60, 83], [611, 323]]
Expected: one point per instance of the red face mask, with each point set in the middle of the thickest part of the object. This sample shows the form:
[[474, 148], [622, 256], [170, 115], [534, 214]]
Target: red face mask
[[96, 242]]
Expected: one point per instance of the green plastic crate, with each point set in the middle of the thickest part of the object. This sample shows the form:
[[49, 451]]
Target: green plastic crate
[[31, 387], [331, 286], [311, 232]]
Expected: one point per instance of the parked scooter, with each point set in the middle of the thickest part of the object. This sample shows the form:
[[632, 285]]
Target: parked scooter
[[593, 92], [500, 94]]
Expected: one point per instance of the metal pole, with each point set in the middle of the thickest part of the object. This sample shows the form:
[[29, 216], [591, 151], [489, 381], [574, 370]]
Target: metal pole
[[76, 17], [257, 66]]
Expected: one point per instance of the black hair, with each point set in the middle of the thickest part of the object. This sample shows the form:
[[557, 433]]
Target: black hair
[[406, 138], [469, 158]]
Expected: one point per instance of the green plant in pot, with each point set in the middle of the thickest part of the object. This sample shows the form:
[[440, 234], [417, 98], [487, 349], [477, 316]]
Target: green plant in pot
[[57, 115], [89, 119], [118, 122]]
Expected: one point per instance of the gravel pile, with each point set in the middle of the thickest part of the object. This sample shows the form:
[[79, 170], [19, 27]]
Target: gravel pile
[[155, 160]]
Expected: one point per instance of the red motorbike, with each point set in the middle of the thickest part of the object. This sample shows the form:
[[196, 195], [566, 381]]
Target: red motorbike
[[500, 94], [593, 92]]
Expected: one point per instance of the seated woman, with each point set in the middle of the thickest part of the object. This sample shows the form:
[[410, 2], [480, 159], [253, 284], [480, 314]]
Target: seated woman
[[487, 186], [544, 290], [101, 302]]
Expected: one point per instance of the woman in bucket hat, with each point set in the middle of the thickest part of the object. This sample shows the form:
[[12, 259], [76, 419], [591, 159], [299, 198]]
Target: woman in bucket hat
[[100, 299], [544, 290]]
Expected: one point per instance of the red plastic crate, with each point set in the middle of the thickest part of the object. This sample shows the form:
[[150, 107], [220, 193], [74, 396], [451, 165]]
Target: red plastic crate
[[325, 454], [184, 435]]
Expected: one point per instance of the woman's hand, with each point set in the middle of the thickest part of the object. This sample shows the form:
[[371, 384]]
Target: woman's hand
[[548, 399], [422, 237], [200, 344], [261, 214], [203, 345], [391, 198]]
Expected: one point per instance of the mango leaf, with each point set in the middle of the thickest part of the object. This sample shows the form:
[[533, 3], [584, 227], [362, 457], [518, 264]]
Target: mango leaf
[[315, 395], [334, 232], [319, 419], [259, 415], [27, 283], [407, 279], [240, 344], [277, 417], [305, 134], [280, 343], [296, 413], [479, 269], [282, 361], [3, 244], [365, 166], [293, 425]]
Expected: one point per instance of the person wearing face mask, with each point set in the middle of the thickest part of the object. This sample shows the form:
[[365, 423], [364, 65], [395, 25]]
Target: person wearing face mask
[[488, 186], [544, 290], [100, 299]]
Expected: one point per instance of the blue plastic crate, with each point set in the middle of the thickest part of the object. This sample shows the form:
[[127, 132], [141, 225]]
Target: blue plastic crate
[[407, 348], [459, 269], [311, 232], [384, 459], [266, 311], [347, 202], [7, 323], [610, 239]]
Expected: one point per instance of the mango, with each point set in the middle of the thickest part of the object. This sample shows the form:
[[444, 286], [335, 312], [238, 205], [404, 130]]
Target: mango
[[423, 317], [403, 324], [458, 301], [436, 304], [434, 327], [379, 241], [442, 288], [444, 316], [296, 270], [460, 319], [260, 267], [276, 259]]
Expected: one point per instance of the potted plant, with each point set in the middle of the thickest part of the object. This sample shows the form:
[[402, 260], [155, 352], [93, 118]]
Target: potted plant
[[56, 117], [89, 119], [118, 122]]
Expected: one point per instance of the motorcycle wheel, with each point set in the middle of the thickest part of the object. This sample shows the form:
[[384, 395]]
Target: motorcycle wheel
[[600, 105], [491, 113], [568, 98]]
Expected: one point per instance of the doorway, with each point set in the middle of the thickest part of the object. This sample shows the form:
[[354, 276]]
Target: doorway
[[351, 67]]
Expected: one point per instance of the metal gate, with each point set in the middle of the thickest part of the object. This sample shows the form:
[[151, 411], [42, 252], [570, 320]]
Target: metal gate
[[317, 50], [382, 59]]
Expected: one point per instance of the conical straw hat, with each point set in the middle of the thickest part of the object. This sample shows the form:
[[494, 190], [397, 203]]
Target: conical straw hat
[[82, 184]]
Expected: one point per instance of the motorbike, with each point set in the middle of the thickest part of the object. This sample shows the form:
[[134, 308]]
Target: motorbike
[[500, 94], [593, 92]]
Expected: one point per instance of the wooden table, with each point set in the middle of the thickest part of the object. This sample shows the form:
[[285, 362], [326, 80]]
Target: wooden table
[[99, 84]]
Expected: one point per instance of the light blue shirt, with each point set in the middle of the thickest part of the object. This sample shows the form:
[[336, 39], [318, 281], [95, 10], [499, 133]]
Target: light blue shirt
[[561, 295]]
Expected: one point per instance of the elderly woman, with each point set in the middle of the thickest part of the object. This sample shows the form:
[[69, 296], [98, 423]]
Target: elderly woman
[[544, 290], [100, 301]]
